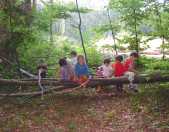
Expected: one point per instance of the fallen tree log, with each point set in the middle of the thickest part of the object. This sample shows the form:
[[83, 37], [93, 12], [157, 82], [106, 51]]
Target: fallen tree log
[[59, 88], [142, 79], [34, 82], [155, 77], [28, 74], [15, 82]]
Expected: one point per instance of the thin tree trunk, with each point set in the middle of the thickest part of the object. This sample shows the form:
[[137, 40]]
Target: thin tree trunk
[[80, 31], [163, 48], [18, 64], [136, 33], [113, 35], [160, 28], [51, 22], [34, 3], [163, 37]]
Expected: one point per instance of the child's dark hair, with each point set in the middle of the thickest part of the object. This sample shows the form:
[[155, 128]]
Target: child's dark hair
[[107, 61], [62, 62], [119, 58], [134, 54], [74, 53]]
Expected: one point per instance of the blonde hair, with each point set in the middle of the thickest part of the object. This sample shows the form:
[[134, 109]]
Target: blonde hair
[[81, 57]]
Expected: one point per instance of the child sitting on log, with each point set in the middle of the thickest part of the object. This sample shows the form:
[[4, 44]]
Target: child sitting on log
[[119, 70], [81, 71], [99, 72], [106, 70], [42, 69], [66, 70], [130, 70], [73, 59]]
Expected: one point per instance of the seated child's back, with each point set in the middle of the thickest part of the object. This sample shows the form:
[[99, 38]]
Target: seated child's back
[[66, 70], [118, 66], [42, 69], [119, 71]]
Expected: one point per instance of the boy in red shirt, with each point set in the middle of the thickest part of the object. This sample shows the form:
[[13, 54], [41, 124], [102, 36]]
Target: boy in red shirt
[[119, 70], [129, 63], [130, 70]]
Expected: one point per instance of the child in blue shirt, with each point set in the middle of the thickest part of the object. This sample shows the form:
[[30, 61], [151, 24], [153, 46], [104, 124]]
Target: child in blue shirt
[[81, 70]]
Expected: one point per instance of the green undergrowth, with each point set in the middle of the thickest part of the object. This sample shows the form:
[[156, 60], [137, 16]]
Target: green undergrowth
[[153, 98], [153, 64]]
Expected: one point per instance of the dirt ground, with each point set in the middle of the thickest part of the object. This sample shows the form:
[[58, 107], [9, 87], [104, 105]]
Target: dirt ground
[[78, 113]]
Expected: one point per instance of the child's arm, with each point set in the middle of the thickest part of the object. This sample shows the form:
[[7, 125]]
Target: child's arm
[[39, 74], [76, 71], [62, 74], [132, 68], [112, 72], [84, 84], [87, 70]]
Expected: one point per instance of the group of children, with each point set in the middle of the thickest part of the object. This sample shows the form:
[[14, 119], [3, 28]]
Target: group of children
[[74, 69], [119, 68], [77, 70]]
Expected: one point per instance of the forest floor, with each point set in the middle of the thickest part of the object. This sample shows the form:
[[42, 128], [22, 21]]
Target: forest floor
[[81, 112]]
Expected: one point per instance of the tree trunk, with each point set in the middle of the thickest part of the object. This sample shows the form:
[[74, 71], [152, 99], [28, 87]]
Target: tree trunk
[[136, 33], [113, 34], [163, 48], [80, 31], [18, 65], [12, 47], [160, 28], [51, 22], [34, 3]]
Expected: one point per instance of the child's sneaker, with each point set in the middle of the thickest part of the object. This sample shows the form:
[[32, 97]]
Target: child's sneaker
[[130, 86], [133, 87]]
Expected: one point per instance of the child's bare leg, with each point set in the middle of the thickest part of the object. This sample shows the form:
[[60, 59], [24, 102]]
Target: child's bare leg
[[98, 88], [84, 84]]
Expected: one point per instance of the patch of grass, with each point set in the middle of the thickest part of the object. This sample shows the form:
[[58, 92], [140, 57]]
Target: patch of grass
[[154, 97], [39, 120], [110, 115], [72, 126], [61, 113], [163, 125], [92, 112]]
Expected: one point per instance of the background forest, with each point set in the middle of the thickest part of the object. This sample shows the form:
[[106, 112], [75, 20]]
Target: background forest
[[35, 30]]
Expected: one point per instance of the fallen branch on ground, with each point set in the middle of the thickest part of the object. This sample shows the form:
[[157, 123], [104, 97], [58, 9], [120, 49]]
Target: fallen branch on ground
[[34, 93], [56, 90]]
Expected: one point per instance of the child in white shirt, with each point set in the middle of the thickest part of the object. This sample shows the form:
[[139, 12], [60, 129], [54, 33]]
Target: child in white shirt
[[107, 70], [73, 59]]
